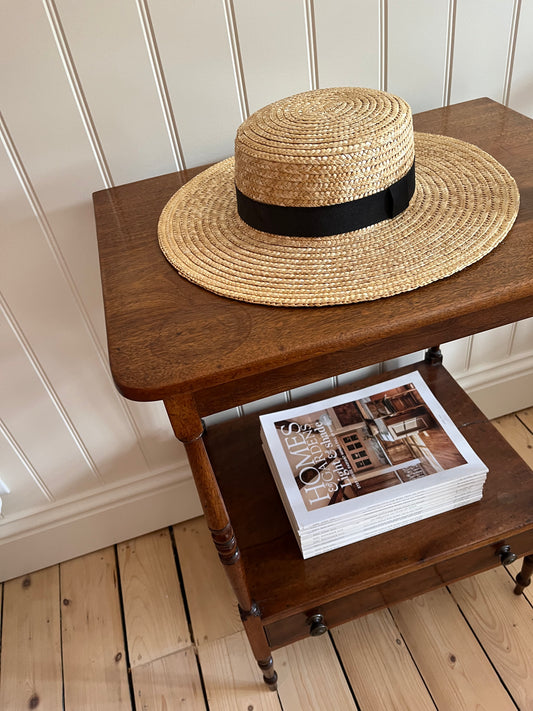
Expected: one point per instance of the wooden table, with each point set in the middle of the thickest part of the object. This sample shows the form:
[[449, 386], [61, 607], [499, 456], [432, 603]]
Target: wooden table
[[201, 354]]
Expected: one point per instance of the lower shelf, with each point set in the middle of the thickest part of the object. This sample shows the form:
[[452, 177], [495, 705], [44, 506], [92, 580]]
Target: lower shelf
[[404, 587], [378, 571]]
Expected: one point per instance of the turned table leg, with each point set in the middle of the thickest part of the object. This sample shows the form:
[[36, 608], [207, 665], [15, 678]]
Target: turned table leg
[[256, 636], [189, 429], [523, 579]]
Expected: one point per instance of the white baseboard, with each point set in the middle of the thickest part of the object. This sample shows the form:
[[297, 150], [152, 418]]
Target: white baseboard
[[69, 529], [501, 388]]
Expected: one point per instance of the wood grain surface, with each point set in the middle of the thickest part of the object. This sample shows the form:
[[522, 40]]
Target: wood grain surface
[[169, 683], [518, 431], [228, 668], [464, 678], [212, 604], [155, 617], [501, 622], [431, 551], [310, 676], [372, 647], [30, 672], [468, 648], [167, 335], [94, 652]]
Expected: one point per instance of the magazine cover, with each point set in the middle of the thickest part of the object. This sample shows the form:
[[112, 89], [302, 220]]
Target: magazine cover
[[366, 448]]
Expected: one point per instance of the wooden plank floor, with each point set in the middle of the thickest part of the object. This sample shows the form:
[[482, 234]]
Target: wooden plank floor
[[152, 625]]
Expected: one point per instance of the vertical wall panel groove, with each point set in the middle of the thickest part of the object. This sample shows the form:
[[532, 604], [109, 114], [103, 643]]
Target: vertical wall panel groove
[[96, 92], [273, 45], [347, 42], [55, 249], [26, 462], [383, 44], [109, 51], [468, 355], [46, 229], [481, 48], [204, 81], [450, 39], [513, 35], [160, 81], [77, 90], [236, 58], [310, 31], [45, 381], [512, 336], [521, 341], [416, 50], [521, 84]]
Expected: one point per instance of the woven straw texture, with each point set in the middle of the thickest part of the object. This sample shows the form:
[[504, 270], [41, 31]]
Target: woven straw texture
[[324, 147], [464, 204]]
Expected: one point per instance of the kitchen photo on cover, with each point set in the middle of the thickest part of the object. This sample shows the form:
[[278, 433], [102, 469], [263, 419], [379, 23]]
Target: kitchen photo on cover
[[364, 445]]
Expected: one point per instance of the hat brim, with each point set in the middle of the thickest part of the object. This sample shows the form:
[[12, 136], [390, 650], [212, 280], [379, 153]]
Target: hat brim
[[464, 204]]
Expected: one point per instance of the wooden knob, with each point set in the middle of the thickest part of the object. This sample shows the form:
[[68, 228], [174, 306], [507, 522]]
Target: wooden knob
[[506, 555], [317, 625]]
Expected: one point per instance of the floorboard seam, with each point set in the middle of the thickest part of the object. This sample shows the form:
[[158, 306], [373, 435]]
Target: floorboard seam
[[60, 602], [413, 659], [124, 630], [188, 614], [482, 647]]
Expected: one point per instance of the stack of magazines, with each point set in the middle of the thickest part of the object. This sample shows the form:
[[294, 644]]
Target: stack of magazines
[[359, 464]]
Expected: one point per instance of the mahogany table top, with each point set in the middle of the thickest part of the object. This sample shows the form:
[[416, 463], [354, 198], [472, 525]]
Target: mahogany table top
[[168, 336]]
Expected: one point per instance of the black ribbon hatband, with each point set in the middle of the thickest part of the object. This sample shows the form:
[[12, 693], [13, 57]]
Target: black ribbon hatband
[[328, 220]]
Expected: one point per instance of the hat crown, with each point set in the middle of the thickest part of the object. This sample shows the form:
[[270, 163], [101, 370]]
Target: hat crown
[[324, 147]]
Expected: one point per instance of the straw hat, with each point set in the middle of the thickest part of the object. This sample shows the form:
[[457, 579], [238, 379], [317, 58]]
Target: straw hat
[[325, 203]]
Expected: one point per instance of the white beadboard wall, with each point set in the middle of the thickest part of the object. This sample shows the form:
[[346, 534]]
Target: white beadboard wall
[[95, 94]]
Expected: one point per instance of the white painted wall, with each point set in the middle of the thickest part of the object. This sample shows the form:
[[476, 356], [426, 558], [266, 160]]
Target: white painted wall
[[94, 94]]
